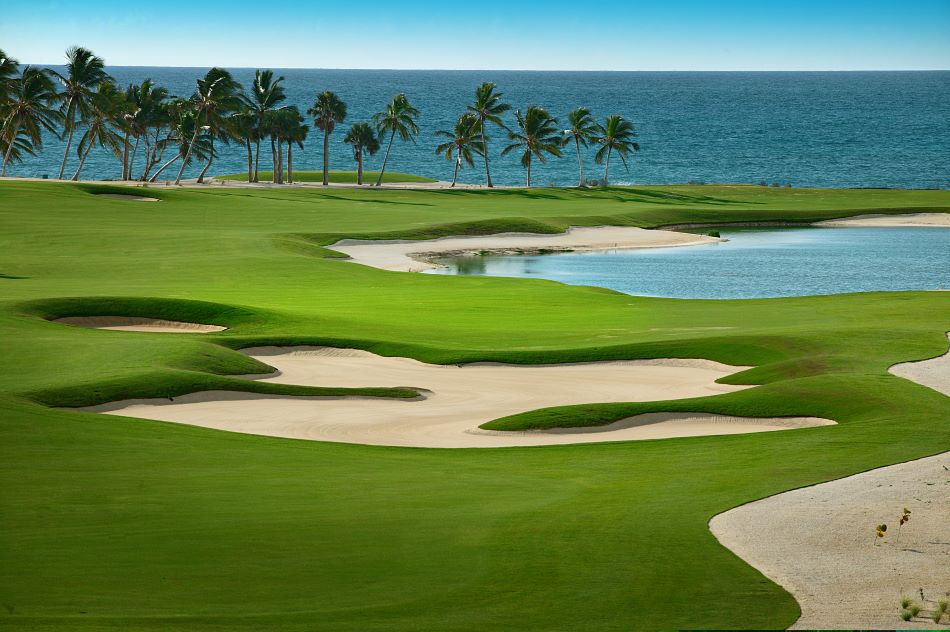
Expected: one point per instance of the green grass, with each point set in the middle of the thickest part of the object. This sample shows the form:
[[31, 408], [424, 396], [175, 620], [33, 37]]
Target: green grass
[[340, 177], [111, 523]]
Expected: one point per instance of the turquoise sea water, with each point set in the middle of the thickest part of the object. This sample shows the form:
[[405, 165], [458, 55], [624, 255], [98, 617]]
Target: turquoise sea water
[[828, 129], [752, 264]]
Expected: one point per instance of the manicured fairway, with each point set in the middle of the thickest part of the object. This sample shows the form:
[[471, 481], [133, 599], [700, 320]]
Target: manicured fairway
[[340, 177], [111, 523]]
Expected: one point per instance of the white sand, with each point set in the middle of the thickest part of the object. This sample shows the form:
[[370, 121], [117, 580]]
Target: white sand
[[819, 544], [940, 220], [128, 197], [457, 400], [131, 323], [934, 373], [416, 255]]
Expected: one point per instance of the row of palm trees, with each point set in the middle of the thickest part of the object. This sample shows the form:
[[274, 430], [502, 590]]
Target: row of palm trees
[[169, 130]]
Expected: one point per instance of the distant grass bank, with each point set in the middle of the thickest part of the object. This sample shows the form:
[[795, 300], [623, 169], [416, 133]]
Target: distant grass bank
[[337, 177]]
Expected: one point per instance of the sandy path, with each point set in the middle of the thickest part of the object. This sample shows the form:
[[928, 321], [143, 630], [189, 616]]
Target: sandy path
[[934, 373], [818, 543], [131, 323], [911, 219], [415, 255], [459, 399]]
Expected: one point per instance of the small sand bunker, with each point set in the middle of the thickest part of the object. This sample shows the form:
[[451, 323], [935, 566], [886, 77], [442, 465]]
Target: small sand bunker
[[128, 197], [819, 544], [132, 323], [415, 256], [457, 400], [934, 373], [919, 220]]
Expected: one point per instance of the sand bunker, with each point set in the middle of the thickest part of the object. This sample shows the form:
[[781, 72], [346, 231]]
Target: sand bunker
[[934, 373], [415, 256], [819, 544], [128, 197], [457, 400], [939, 220], [131, 323]]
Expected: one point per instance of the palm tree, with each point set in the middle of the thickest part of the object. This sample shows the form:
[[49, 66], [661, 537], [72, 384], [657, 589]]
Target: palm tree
[[362, 138], [216, 95], [243, 126], [266, 93], [145, 104], [583, 131], [616, 134], [106, 109], [157, 122], [187, 134], [297, 136], [327, 111], [30, 108], [537, 135], [282, 123], [8, 70], [399, 117], [465, 139], [84, 72], [488, 108], [21, 147]]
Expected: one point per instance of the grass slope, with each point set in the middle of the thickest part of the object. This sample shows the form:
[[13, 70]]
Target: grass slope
[[339, 177], [120, 524]]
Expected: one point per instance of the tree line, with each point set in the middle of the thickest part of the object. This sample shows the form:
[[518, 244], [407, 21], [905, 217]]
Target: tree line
[[84, 106]]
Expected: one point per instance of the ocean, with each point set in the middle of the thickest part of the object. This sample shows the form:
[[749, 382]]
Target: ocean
[[821, 129]]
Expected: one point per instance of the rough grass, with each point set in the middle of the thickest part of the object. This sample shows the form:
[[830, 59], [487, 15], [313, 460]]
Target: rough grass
[[339, 177], [112, 523]]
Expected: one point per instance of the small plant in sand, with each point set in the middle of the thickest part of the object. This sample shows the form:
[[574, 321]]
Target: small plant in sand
[[943, 608], [879, 532], [910, 608], [905, 518]]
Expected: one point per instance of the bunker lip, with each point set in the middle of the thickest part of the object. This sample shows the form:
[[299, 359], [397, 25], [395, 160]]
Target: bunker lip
[[933, 373], [909, 220], [135, 323], [408, 255], [456, 401], [128, 197]]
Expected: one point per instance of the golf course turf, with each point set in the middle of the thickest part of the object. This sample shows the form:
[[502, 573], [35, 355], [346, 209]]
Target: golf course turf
[[111, 523], [337, 177]]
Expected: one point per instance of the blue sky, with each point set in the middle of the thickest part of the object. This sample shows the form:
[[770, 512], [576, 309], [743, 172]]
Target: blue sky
[[518, 34]]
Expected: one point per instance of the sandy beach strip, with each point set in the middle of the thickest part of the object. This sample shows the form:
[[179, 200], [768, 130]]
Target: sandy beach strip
[[909, 220], [417, 255], [819, 544], [457, 399], [933, 373], [132, 323]]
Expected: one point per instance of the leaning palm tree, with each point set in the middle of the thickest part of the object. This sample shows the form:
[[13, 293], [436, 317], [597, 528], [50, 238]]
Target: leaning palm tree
[[84, 71], [488, 108], [216, 95], [583, 130], [616, 134], [537, 134], [399, 117], [30, 108], [362, 138], [328, 110], [145, 102], [465, 139], [22, 147], [187, 135], [106, 110], [266, 93]]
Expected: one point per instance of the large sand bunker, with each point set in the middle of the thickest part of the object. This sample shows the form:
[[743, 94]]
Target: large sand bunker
[[934, 373], [457, 400], [819, 544], [417, 255], [133, 323], [918, 220]]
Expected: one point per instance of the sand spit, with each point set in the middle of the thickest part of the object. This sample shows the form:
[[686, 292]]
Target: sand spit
[[919, 220], [417, 255], [819, 544], [457, 400], [934, 373], [132, 323]]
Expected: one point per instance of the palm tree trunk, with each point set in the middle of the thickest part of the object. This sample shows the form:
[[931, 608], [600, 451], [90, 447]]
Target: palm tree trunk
[[69, 139], [82, 162], [607, 167], [580, 163], [485, 144], [201, 176], [379, 182], [250, 161], [257, 159], [280, 161], [184, 162], [359, 168], [326, 156], [458, 161], [273, 155], [529, 171], [6, 156], [125, 157], [290, 162], [165, 166], [135, 150]]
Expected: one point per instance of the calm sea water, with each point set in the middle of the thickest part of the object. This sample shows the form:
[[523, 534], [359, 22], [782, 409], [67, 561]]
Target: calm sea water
[[752, 264], [829, 129]]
